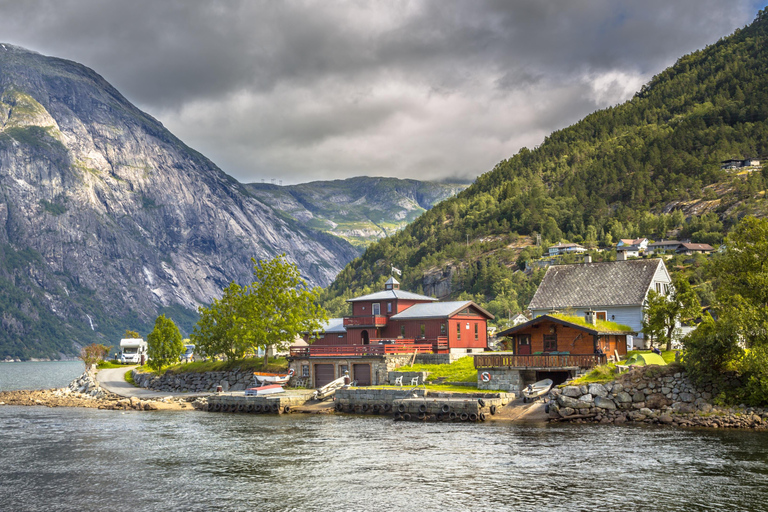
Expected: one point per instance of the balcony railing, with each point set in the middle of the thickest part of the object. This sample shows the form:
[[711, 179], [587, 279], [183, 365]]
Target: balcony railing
[[365, 321], [539, 361], [374, 349]]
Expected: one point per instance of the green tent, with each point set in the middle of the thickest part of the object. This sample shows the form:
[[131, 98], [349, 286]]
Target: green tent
[[643, 359]]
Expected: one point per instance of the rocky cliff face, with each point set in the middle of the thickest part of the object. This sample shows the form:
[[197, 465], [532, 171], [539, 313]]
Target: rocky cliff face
[[107, 219]]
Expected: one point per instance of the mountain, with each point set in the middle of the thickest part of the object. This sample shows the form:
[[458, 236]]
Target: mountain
[[360, 210], [648, 167], [107, 219]]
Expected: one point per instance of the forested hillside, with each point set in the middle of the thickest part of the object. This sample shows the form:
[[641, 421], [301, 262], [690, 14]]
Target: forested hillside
[[648, 167]]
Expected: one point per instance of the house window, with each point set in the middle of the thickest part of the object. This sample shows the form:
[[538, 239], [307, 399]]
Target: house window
[[389, 307], [423, 330], [666, 289], [601, 315], [476, 332], [442, 329], [467, 325], [402, 331], [305, 370], [322, 336], [550, 342], [341, 335], [658, 287], [458, 331], [376, 308]]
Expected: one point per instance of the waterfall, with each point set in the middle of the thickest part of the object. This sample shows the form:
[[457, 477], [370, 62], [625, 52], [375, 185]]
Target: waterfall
[[90, 321]]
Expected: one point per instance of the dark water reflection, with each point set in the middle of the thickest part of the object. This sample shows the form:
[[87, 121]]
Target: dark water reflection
[[77, 459]]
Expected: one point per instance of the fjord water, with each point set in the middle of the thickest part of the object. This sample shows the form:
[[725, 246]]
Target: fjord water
[[39, 374], [77, 459]]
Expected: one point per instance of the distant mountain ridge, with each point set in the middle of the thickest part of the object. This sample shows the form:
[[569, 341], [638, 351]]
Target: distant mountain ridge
[[107, 219], [360, 210]]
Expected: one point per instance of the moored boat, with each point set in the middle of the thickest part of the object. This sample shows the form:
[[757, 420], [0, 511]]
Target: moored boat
[[535, 390], [274, 378]]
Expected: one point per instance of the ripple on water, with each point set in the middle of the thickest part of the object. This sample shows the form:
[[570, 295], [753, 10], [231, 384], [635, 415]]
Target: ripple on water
[[65, 459]]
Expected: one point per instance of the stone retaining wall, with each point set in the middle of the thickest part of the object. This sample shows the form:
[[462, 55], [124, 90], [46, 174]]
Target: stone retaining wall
[[652, 394], [234, 380]]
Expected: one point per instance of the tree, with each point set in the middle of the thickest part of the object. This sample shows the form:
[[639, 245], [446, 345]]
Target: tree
[[164, 345], [283, 306], [131, 334], [269, 312], [93, 354], [222, 328], [663, 312]]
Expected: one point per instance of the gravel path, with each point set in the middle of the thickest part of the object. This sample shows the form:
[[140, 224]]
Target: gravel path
[[113, 380]]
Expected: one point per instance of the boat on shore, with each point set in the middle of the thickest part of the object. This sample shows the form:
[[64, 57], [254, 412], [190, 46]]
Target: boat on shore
[[273, 378], [269, 389], [537, 389]]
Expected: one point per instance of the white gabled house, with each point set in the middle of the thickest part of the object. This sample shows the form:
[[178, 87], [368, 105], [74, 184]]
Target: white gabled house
[[614, 290]]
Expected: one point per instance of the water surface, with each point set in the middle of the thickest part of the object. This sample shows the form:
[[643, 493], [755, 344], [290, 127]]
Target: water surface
[[39, 375], [75, 459]]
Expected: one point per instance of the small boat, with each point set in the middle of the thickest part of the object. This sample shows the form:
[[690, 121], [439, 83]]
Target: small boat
[[535, 390], [274, 378], [264, 390]]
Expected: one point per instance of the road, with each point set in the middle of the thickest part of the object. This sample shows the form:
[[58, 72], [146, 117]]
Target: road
[[113, 380]]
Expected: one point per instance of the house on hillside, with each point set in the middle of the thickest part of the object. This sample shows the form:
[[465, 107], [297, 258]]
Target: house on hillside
[[694, 249], [614, 291], [386, 329], [735, 163], [663, 246], [632, 248], [560, 248]]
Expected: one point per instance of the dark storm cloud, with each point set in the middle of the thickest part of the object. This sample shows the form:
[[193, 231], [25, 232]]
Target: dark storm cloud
[[311, 90]]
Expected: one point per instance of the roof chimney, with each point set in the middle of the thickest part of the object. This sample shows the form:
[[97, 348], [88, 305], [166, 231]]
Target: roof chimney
[[621, 256], [587, 258], [591, 317]]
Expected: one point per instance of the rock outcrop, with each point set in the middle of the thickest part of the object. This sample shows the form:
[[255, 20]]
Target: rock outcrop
[[107, 219]]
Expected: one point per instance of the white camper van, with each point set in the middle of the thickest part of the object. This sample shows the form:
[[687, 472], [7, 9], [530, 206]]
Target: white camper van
[[131, 350]]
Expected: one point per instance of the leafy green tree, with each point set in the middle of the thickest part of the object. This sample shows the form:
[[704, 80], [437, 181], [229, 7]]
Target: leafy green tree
[[222, 327], [663, 312], [270, 312], [164, 345], [283, 305], [131, 334]]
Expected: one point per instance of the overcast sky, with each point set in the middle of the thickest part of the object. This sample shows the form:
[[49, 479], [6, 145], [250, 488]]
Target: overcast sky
[[307, 90]]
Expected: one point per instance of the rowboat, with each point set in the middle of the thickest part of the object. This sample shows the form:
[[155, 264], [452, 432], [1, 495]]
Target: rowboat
[[274, 378], [535, 390], [330, 389], [264, 390]]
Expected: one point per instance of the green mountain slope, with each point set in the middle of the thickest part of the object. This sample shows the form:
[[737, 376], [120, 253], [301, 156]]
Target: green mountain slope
[[361, 210], [649, 167]]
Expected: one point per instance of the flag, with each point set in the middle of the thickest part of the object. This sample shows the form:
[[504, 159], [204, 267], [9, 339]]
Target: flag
[[397, 271]]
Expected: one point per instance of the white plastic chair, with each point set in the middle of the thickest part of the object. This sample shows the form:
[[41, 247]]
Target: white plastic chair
[[415, 381], [399, 381]]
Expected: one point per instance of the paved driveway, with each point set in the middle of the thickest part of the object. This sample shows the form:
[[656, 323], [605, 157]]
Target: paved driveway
[[113, 379]]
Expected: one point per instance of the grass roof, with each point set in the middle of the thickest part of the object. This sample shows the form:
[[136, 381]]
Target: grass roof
[[601, 325]]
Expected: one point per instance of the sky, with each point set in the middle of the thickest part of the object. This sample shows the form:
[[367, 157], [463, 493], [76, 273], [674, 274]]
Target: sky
[[297, 91]]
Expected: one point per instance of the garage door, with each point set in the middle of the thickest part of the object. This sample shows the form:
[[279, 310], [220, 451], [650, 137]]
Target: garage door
[[362, 374], [323, 374]]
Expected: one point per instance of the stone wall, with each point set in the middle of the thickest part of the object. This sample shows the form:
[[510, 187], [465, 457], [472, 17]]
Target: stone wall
[[652, 394], [234, 380], [504, 379], [438, 358]]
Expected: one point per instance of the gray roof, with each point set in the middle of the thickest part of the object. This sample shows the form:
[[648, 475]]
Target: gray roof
[[612, 283], [333, 325], [391, 295], [437, 310]]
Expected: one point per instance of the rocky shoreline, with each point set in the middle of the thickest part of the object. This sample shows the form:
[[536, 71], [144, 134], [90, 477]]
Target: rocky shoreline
[[650, 395], [85, 391]]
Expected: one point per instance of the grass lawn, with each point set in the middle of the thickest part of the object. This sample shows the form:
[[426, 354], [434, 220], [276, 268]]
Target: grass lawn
[[252, 364], [462, 370], [607, 372], [105, 365], [129, 378]]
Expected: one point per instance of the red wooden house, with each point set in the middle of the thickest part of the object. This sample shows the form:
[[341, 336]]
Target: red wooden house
[[392, 322]]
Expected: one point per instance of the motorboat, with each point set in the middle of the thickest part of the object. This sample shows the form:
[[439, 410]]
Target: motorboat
[[533, 391]]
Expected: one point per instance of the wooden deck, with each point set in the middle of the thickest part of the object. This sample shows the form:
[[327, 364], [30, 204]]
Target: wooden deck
[[375, 348], [545, 361]]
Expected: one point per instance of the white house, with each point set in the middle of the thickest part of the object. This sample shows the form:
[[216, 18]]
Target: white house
[[613, 290], [561, 248]]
